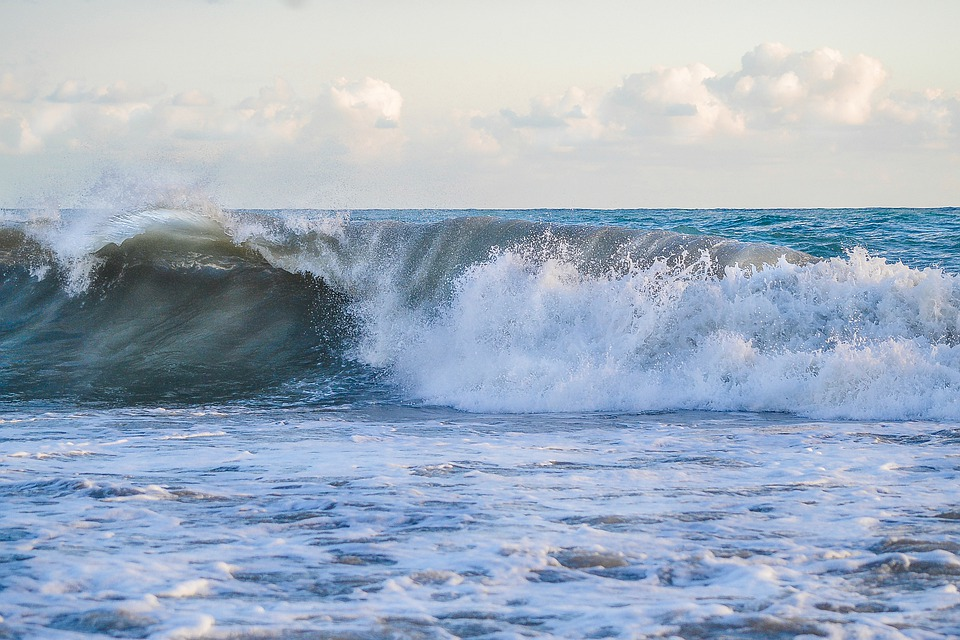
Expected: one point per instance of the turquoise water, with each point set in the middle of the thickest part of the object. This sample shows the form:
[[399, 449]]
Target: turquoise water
[[917, 237]]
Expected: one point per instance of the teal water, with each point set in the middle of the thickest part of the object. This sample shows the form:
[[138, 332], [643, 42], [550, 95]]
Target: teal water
[[917, 237]]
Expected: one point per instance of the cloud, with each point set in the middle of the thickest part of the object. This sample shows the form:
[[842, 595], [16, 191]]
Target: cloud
[[787, 127], [560, 123], [276, 111], [676, 102], [119, 92], [821, 114], [928, 118], [16, 136], [71, 91], [777, 94], [776, 86], [370, 110], [356, 117], [370, 101]]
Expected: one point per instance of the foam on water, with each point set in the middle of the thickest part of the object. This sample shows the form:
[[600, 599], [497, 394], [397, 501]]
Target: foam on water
[[234, 524], [851, 337]]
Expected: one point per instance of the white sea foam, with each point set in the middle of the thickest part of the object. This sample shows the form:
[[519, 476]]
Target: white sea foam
[[443, 524], [853, 337]]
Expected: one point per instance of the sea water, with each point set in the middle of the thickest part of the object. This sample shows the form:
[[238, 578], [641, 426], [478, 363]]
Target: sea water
[[479, 424]]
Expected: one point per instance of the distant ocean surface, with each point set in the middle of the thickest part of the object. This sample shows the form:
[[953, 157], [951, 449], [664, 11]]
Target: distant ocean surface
[[479, 424]]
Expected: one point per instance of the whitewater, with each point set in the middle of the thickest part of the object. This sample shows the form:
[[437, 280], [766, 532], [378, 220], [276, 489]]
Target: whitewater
[[489, 424]]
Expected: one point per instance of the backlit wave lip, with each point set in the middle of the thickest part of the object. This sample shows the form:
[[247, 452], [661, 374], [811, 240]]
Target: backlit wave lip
[[478, 313]]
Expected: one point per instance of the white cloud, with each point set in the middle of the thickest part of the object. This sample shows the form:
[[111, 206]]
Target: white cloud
[[676, 102], [929, 118], [24, 131], [16, 136], [777, 94], [361, 117], [48, 120], [776, 86], [70, 91], [121, 92], [370, 110], [559, 123], [682, 129], [688, 136], [371, 101], [276, 111]]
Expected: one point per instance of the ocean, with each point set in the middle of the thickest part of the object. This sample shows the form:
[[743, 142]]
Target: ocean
[[479, 424]]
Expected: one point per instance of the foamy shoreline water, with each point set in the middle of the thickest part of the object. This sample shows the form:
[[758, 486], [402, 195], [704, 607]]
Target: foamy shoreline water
[[176, 524]]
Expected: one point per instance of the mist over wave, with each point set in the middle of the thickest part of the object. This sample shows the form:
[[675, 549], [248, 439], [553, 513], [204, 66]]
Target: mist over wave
[[480, 313]]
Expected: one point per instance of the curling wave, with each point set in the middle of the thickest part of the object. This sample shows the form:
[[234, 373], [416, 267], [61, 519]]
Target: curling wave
[[478, 313]]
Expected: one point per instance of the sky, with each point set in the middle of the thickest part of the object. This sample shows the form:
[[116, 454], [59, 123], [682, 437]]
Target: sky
[[340, 104]]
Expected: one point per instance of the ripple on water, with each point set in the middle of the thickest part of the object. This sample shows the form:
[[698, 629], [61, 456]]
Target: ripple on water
[[912, 572], [908, 545], [115, 623], [752, 627]]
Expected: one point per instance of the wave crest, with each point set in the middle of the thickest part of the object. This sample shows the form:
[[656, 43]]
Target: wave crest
[[851, 337]]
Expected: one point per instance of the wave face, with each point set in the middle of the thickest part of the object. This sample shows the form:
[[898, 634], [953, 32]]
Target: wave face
[[175, 311], [478, 313]]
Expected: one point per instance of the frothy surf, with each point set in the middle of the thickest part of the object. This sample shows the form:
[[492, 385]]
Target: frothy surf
[[476, 313]]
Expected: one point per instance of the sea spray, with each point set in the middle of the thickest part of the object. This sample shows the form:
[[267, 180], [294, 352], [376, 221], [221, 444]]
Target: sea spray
[[848, 337]]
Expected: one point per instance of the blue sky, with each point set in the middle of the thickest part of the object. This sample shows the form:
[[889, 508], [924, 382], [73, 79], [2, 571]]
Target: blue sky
[[326, 104]]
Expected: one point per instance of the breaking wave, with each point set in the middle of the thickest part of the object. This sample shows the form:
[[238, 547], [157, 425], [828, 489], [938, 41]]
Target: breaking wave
[[477, 313]]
